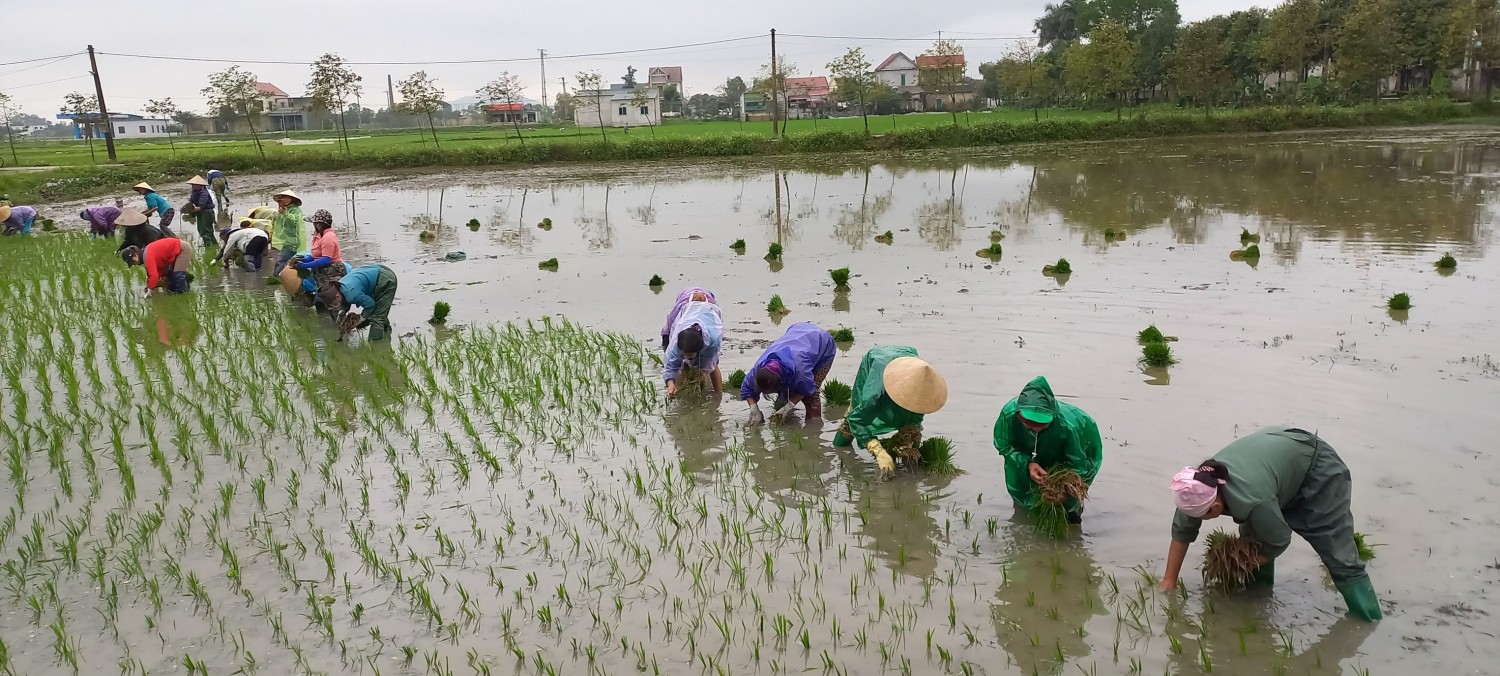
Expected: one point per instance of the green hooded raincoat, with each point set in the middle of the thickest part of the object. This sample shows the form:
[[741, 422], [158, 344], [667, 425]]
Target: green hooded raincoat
[[872, 414], [1071, 441]]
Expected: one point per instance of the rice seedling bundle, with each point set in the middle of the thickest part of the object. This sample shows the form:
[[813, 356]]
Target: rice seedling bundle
[[1229, 561], [1447, 262], [776, 306], [937, 455], [840, 279], [837, 393], [1061, 267], [1399, 302], [843, 334], [773, 252]]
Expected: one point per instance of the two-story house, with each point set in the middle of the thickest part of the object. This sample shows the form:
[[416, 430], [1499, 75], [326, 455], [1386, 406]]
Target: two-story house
[[617, 106]]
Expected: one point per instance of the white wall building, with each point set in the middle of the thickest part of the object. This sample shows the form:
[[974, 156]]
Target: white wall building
[[619, 107], [897, 71], [135, 126]]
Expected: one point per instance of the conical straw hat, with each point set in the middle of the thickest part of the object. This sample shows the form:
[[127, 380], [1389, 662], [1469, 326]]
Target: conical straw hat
[[914, 385], [4, 212], [130, 217], [197, 180], [289, 193], [143, 186]]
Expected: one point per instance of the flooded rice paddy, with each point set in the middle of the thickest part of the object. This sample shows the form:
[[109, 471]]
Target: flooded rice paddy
[[212, 484]]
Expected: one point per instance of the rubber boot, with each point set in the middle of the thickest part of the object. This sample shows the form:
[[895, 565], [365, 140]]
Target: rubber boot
[[842, 440], [1264, 576], [1359, 593]]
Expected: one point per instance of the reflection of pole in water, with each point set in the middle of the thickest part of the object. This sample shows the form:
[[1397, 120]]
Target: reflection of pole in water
[[1026, 219], [776, 178], [521, 219], [442, 195], [351, 209]]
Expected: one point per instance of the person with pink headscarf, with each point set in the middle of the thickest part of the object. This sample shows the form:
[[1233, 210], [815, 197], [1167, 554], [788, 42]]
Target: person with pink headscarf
[[1275, 482]]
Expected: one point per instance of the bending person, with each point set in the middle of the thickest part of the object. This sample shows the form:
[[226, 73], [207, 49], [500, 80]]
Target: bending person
[[247, 243], [137, 232], [102, 220], [156, 204], [696, 335], [793, 369], [1275, 482], [893, 391], [1036, 434], [326, 265], [363, 298], [17, 219], [692, 294], [166, 259]]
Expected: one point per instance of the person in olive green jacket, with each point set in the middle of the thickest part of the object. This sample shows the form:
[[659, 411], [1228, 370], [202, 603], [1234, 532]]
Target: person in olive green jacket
[[893, 391], [1275, 482], [1036, 434]]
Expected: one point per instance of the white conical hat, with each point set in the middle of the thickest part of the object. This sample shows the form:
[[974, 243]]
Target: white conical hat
[[130, 217], [289, 193], [197, 180], [914, 385], [143, 186]]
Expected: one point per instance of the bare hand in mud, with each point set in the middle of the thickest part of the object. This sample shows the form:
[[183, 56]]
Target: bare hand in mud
[[1037, 473], [671, 389]]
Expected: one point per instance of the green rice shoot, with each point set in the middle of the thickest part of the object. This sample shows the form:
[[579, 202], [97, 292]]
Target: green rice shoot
[[837, 393], [473, 224], [440, 312], [1157, 355], [1447, 262], [1366, 549], [1399, 302], [656, 280], [773, 252], [994, 250], [1061, 267], [549, 264], [1247, 237], [1150, 334], [776, 307], [736, 379], [738, 245], [840, 278], [843, 334], [937, 456]]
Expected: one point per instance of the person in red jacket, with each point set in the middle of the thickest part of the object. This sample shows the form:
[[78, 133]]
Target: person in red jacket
[[166, 259]]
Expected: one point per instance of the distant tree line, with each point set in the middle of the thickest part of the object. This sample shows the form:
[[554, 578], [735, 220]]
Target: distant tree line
[[1123, 52]]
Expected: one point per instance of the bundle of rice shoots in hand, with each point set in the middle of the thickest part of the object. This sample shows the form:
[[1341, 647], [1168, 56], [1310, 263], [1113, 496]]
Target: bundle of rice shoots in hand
[[1229, 561], [906, 444], [1061, 487], [694, 382]]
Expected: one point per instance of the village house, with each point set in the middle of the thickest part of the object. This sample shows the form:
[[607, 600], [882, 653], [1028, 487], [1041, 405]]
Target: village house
[[509, 113], [661, 76], [807, 96], [125, 126], [620, 107]]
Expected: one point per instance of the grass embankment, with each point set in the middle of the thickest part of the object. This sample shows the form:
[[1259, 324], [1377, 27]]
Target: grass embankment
[[677, 142]]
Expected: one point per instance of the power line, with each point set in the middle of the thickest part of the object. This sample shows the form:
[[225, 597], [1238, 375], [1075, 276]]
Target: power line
[[40, 65], [435, 63], [38, 84], [45, 58], [879, 39]]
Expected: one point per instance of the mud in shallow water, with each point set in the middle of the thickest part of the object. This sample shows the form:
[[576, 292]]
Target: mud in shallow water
[[937, 573]]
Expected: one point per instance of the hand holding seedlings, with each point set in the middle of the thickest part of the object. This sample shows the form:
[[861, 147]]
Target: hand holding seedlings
[[1037, 473]]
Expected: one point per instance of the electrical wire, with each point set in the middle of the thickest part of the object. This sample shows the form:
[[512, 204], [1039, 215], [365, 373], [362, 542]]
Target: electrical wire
[[45, 58], [440, 63], [38, 84], [40, 65], [879, 39]]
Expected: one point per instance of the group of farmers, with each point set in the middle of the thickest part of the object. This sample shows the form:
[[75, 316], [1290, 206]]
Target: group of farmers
[[1274, 482], [308, 263]]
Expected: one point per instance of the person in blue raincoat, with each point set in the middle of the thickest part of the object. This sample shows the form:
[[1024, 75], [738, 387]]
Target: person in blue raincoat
[[792, 369]]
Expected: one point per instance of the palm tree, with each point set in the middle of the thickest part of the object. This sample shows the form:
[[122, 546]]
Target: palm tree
[[1058, 23]]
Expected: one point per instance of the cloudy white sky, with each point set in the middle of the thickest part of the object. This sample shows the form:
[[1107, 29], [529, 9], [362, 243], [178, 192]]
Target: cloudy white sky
[[389, 31]]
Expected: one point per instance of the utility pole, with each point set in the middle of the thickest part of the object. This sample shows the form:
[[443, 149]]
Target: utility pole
[[543, 54], [775, 110], [109, 127], [564, 82], [390, 95]]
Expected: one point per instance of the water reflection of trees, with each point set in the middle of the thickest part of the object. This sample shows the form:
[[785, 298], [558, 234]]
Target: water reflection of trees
[[597, 230], [941, 221], [1385, 193], [858, 223], [517, 235]]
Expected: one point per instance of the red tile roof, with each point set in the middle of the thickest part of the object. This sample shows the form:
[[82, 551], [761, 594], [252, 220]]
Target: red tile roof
[[935, 61], [807, 86], [504, 107], [673, 73], [269, 89]]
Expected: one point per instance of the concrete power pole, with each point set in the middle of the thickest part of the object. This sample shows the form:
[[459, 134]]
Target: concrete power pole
[[775, 112], [542, 53], [109, 126], [390, 95]]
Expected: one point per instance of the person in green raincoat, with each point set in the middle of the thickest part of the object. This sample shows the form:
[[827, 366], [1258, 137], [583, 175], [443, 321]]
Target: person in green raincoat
[[893, 391], [1036, 434], [1275, 482]]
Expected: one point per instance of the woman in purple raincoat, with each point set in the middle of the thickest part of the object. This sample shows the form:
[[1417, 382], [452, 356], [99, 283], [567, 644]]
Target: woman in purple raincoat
[[793, 369]]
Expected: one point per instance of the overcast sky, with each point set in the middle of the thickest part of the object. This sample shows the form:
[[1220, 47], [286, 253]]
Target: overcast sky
[[390, 31]]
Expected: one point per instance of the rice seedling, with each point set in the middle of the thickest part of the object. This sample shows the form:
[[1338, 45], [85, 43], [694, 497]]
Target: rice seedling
[[736, 379], [738, 246], [1249, 253], [1062, 488], [1247, 237], [1399, 302], [1366, 550], [937, 458], [1447, 262], [1113, 235], [427, 235], [885, 238], [1151, 334], [549, 264], [776, 307], [840, 279], [843, 334], [1061, 267], [656, 282], [1157, 355], [837, 393], [473, 225], [440, 312], [993, 251], [773, 252], [1229, 561]]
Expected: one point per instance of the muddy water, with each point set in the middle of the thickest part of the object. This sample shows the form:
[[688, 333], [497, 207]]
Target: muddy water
[[922, 574]]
